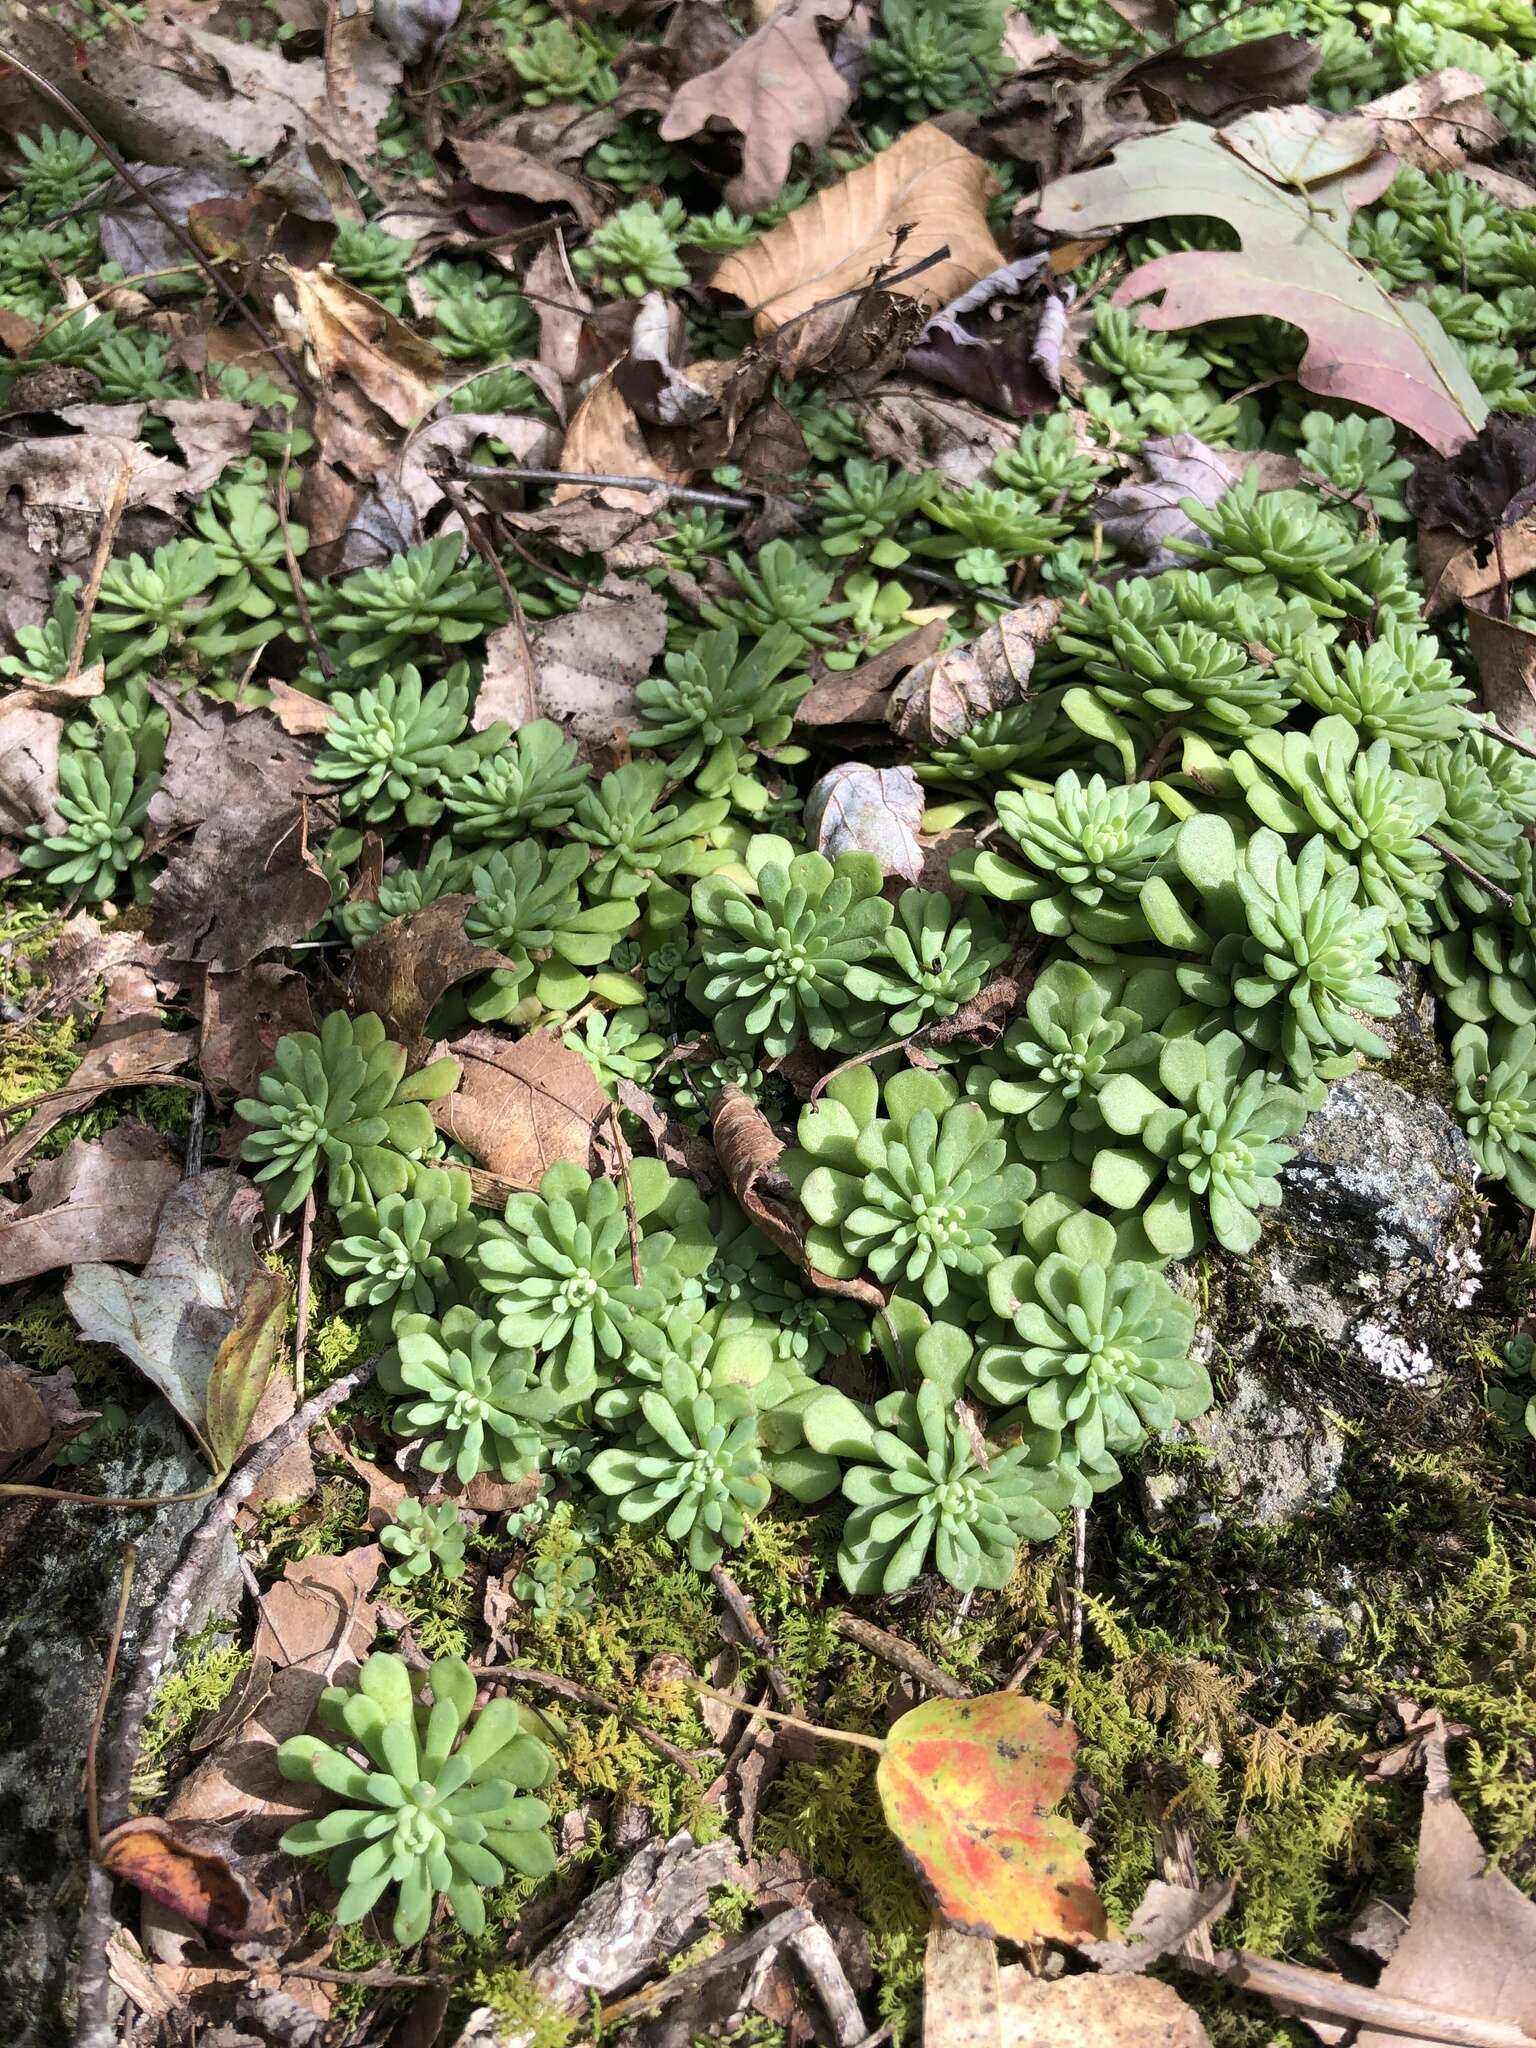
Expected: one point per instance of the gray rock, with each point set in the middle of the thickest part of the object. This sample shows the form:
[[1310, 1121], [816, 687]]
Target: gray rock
[[1269, 1460], [62, 1573]]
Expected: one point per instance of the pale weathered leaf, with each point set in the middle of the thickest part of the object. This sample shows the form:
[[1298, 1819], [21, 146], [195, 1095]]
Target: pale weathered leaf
[[948, 693], [858, 809], [202, 1287], [521, 1105], [1364, 346], [100, 1199], [924, 197]]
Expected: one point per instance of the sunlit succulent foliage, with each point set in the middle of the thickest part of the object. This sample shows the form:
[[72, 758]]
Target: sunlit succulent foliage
[[557, 62], [931, 962], [474, 1401], [1080, 1028], [710, 712], [1358, 456], [1399, 688], [560, 1268], [642, 847], [783, 587], [430, 593], [1142, 362], [860, 512], [526, 782], [930, 58], [59, 170], [374, 260], [528, 905], [776, 965], [341, 1101], [393, 1253], [1101, 1346], [389, 744], [635, 249], [442, 1806], [1496, 1097], [145, 607], [403, 891], [1283, 534], [910, 1182], [103, 806], [424, 1538], [693, 1459], [485, 326]]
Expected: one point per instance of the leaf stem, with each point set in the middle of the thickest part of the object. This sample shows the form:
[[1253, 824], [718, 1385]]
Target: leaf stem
[[724, 1699]]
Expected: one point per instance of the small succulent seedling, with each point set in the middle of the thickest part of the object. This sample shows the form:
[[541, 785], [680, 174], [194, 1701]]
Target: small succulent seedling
[[424, 1538]]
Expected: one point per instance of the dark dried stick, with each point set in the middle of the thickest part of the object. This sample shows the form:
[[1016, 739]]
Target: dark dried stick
[[295, 574], [632, 1220], [92, 1804], [1500, 896], [93, 2029], [111, 520], [167, 220], [584, 1696], [722, 501], [757, 1637], [892, 1649], [1030, 1659]]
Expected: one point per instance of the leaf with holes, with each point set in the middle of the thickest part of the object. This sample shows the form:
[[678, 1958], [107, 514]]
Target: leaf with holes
[[967, 1787]]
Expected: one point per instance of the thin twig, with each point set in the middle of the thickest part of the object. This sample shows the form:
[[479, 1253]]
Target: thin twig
[[386, 1979], [757, 1637], [1294, 1984], [850, 1735], [781, 1928], [1079, 1568], [1030, 1658], [92, 1806], [636, 1271], [585, 1696], [861, 1059], [166, 219], [893, 1650], [93, 2027], [106, 1500], [111, 520], [301, 1294], [723, 501], [1509, 739], [1501, 896], [295, 574]]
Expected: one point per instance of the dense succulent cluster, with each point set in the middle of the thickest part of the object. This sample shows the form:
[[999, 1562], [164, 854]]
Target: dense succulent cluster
[[1174, 880]]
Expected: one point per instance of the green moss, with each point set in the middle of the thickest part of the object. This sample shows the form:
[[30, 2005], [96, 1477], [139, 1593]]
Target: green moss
[[208, 1667], [510, 1994]]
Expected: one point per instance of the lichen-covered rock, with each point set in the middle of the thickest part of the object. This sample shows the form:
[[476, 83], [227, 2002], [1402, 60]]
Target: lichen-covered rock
[[1269, 1458], [62, 1566]]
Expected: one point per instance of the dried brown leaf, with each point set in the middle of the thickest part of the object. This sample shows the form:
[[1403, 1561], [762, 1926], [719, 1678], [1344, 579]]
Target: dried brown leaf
[[100, 1199], [855, 808], [220, 761], [1456, 574], [191, 1868], [1142, 515], [777, 89], [1434, 122], [589, 660], [509, 683], [561, 307], [529, 441], [1093, 2012], [315, 1625], [495, 161], [522, 1104], [247, 884], [919, 428], [352, 336], [29, 767], [243, 1017], [403, 968], [923, 195], [39, 1414], [748, 1151], [1504, 652], [947, 694], [861, 696], [605, 439]]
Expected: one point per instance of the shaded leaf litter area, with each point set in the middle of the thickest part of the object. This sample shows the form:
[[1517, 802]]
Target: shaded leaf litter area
[[767, 1022]]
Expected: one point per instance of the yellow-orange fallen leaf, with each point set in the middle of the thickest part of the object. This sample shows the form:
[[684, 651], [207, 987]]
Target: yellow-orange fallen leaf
[[922, 195]]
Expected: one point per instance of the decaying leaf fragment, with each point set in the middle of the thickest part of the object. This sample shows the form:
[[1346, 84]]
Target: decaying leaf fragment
[[190, 1867], [100, 1199], [858, 809], [1364, 346], [924, 197], [947, 694], [778, 89], [522, 1105]]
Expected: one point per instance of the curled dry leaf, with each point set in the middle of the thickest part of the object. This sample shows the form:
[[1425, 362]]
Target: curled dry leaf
[[100, 1199], [858, 809], [861, 696], [778, 89], [39, 1414], [501, 165], [947, 694], [405, 966], [313, 1628], [1436, 122], [220, 760], [919, 428], [605, 439], [967, 1788], [528, 440], [1389, 355], [29, 767], [351, 335], [924, 197], [1167, 1918], [190, 1867], [748, 1152], [521, 1104], [203, 1319], [1505, 654]]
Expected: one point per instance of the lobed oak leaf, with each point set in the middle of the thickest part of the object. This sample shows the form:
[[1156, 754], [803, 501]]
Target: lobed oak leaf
[[1364, 346]]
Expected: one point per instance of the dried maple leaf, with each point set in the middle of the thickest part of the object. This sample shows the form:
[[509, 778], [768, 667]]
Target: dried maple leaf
[[1364, 346], [521, 1105], [924, 197], [778, 89]]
